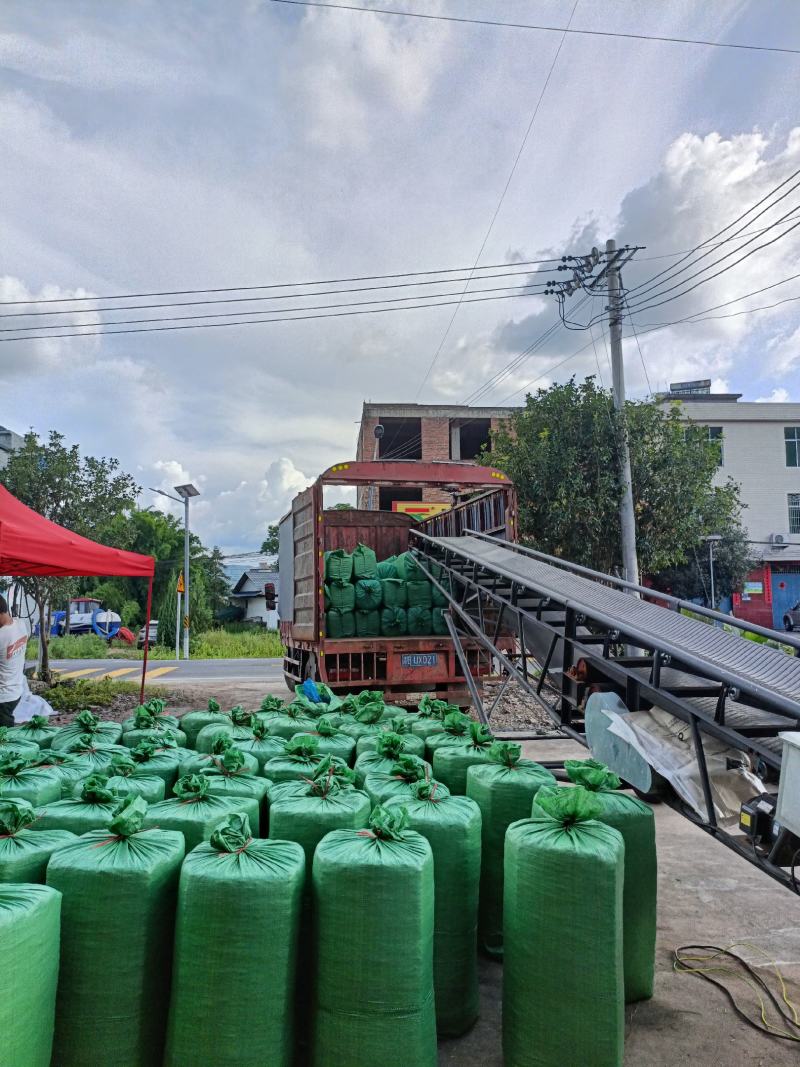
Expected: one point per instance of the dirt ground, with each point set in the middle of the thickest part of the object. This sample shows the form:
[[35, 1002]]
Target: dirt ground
[[707, 895]]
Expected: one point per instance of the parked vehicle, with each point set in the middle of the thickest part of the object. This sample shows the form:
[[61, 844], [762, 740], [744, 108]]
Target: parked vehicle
[[86, 616], [153, 635], [397, 665], [791, 620]]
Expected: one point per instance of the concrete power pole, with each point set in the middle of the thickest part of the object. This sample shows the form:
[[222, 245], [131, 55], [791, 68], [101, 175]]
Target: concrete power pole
[[627, 516]]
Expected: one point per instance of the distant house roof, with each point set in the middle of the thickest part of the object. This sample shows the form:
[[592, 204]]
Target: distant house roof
[[252, 582]]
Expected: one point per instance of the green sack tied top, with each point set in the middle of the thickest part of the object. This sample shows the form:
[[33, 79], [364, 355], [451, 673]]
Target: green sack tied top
[[390, 745], [15, 815], [213, 706], [302, 747], [410, 769], [386, 824], [11, 766], [480, 736], [191, 788], [271, 703], [505, 752], [431, 708], [128, 817], [241, 717], [370, 713], [228, 764], [591, 774], [36, 722], [233, 835], [94, 790], [568, 805], [329, 776], [427, 789], [325, 728], [456, 723], [88, 722], [122, 766]]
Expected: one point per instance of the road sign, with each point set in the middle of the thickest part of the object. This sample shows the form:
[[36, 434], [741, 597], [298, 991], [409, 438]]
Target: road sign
[[181, 587]]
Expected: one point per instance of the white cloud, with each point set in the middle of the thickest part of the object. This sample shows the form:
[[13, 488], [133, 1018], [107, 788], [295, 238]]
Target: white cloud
[[777, 396]]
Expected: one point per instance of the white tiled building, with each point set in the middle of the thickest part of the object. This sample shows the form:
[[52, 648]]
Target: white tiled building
[[760, 450]]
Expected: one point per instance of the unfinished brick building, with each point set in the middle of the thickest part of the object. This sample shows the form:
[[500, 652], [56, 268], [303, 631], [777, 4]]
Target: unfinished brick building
[[428, 432]]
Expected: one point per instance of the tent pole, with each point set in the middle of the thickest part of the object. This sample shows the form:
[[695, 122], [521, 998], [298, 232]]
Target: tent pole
[[146, 635]]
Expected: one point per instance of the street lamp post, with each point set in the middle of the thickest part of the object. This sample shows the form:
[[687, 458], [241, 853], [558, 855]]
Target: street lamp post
[[712, 539], [185, 494]]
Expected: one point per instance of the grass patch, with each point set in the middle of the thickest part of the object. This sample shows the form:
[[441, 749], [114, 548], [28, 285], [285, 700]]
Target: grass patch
[[78, 646], [239, 643], [84, 693]]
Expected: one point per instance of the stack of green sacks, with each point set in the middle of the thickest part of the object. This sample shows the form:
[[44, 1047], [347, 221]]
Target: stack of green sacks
[[339, 595]]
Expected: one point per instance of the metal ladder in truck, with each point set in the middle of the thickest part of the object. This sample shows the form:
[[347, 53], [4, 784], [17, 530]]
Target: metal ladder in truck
[[575, 630]]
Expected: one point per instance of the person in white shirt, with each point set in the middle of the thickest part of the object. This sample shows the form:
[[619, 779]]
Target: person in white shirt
[[13, 642]]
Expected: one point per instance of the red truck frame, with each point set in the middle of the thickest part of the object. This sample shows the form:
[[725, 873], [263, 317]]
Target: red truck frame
[[401, 667]]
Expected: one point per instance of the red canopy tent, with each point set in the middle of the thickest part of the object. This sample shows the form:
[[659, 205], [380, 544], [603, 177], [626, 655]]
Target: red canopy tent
[[30, 544]]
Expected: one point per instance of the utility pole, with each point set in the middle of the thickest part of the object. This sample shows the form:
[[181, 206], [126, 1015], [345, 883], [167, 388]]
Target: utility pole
[[627, 516], [185, 494]]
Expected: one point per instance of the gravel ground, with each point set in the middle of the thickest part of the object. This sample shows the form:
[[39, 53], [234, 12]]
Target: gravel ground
[[516, 710]]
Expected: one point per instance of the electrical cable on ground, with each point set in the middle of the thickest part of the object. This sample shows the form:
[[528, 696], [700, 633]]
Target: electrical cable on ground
[[493, 219]]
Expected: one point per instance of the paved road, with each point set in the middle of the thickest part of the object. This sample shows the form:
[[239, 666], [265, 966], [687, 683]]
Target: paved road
[[192, 671]]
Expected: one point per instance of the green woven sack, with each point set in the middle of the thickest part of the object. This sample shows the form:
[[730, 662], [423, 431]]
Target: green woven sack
[[389, 747], [195, 811], [368, 623], [263, 746], [119, 890], [634, 820], [455, 731], [374, 997], [29, 939], [369, 718], [37, 730], [134, 737], [340, 625], [16, 746], [452, 826], [98, 754], [406, 568], [270, 705], [19, 780], [152, 759], [451, 762], [70, 769], [438, 598], [331, 741], [104, 733], [341, 595], [127, 779], [395, 593], [406, 770], [24, 853], [300, 758], [411, 745], [563, 917], [338, 565], [503, 787], [229, 777], [194, 721], [419, 594], [394, 622], [369, 594], [150, 716], [318, 806], [387, 568], [296, 718], [438, 623], [365, 563], [233, 988], [92, 808], [420, 621]]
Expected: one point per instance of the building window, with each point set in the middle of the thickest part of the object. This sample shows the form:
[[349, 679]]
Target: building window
[[791, 440], [715, 436], [794, 513]]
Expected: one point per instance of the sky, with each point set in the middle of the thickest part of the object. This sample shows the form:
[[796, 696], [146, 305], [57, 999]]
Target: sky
[[152, 147]]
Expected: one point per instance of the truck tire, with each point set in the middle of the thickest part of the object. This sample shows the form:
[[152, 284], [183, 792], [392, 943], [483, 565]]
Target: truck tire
[[788, 625]]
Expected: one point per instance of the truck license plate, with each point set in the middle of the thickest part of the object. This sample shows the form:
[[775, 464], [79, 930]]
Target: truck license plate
[[419, 659]]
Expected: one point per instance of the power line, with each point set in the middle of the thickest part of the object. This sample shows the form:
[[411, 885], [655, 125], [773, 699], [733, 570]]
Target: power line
[[534, 26], [277, 285], [278, 296], [684, 251], [493, 219], [82, 332], [261, 311], [636, 336], [719, 233], [736, 299]]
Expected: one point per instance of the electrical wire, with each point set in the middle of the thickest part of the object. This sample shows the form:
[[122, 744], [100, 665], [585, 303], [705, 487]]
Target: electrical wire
[[493, 219], [82, 332], [639, 347], [277, 296], [704, 961], [724, 229], [262, 311], [686, 251], [277, 285], [534, 26]]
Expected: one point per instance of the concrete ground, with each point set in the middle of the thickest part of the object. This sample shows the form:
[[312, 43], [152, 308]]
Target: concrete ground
[[707, 895]]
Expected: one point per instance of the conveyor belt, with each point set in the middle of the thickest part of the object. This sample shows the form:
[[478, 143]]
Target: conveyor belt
[[747, 665]]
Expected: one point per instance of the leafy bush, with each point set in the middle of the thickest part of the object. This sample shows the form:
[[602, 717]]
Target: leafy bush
[[131, 614], [78, 646], [85, 693], [220, 644]]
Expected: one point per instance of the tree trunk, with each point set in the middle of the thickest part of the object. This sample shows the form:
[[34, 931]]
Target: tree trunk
[[67, 618], [44, 641]]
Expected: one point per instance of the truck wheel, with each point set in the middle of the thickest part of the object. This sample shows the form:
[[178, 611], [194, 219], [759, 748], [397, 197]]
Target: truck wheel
[[788, 625]]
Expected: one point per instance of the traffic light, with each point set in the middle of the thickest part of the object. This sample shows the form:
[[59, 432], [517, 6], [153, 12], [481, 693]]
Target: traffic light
[[269, 595]]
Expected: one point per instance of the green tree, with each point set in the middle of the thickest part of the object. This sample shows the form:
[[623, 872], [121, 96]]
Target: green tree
[[269, 546], [216, 580], [561, 451], [82, 493]]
